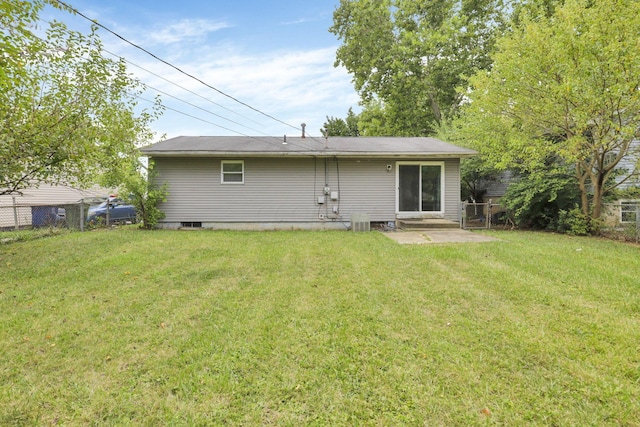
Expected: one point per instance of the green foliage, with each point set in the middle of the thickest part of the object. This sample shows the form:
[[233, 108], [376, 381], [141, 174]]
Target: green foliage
[[376, 120], [573, 222], [69, 114], [145, 195], [341, 127], [563, 87], [630, 193], [475, 175], [535, 201], [136, 181], [408, 56]]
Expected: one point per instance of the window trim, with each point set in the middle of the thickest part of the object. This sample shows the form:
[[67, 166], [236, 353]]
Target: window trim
[[410, 214], [628, 202], [223, 173]]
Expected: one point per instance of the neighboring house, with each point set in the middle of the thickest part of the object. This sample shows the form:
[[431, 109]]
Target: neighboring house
[[497, 188], [630, 164], [42, 205], [268, 182]]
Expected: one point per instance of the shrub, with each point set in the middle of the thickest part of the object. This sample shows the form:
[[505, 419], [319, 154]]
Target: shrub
[[536, 200], [145, 195], [574, 222]]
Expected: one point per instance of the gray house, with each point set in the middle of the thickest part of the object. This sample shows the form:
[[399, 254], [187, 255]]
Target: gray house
[[266, 182]]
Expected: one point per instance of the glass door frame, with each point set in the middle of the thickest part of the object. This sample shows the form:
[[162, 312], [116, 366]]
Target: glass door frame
[[419, 213]]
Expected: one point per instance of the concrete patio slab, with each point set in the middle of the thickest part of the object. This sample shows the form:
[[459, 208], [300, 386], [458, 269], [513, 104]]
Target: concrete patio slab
[[437, 236]]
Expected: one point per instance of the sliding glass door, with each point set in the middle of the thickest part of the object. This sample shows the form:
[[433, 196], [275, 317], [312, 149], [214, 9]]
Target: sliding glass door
[[420, 187]]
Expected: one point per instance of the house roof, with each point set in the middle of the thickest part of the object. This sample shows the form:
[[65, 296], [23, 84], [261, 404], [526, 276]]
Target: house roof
[[51, 195], [249, 146]]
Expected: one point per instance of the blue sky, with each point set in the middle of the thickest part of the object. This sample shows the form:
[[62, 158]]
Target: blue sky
[[277, 56]]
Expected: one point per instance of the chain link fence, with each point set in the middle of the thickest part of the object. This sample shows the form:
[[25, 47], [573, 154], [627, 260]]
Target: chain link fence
[[18, 217], [478, 216], [25, 216], [621, 220]]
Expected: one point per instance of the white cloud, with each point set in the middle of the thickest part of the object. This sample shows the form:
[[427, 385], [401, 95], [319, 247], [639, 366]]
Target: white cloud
[[293, 86], [187, 30], [296, 22]]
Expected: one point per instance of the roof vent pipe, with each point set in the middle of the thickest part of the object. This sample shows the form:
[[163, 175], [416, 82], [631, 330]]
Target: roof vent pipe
[[303, 125]]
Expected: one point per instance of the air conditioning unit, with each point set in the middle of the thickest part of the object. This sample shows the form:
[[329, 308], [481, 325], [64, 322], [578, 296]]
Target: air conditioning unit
[[360, 222]]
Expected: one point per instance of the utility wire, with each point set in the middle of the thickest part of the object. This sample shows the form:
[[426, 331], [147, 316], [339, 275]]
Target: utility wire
[[201, 109], [181, 87], [69, 7], [189, 115], [277, 144], [198, 95]]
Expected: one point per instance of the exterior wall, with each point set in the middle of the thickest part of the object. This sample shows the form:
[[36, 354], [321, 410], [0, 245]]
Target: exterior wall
[[497, 189], [628, 163], [452, 196], [285, 190]]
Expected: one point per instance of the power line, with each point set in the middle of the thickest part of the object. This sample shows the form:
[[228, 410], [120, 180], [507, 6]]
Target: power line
[[188, 115], [181, 87], [69, 7], [202, 109], [198, 107], [277, 144], [186, 90], [217, 125]]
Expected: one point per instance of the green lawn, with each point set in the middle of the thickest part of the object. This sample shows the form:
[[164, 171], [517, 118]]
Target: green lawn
[[129, 327]]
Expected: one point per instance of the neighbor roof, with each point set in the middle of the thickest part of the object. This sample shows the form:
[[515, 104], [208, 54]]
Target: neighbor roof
[[51, 195], [249, 146]]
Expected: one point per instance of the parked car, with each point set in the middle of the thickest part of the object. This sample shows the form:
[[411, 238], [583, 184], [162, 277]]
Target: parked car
[[119, 212]]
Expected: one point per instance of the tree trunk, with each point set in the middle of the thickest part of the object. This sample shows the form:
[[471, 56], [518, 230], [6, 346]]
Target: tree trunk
[[597, 197], [584, 191], [597, 205], [435, 108]]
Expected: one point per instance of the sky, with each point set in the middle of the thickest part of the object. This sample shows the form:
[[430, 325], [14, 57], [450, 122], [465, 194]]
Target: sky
[[276, 56]]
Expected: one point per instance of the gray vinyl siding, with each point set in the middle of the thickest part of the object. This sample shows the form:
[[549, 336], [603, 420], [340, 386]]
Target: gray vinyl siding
[[628, 164], [452, 189], [286, 189]]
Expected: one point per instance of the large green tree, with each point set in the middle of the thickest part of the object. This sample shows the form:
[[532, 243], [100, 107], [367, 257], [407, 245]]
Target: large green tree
[[408, 56], [563, 91], [335, 126], [68, 113]]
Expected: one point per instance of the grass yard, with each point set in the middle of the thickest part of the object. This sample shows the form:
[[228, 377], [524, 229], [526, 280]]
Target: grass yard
[[128, 327]]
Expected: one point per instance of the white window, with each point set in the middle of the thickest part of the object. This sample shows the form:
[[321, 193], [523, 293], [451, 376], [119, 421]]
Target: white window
[[629, 209], [232, 172]]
